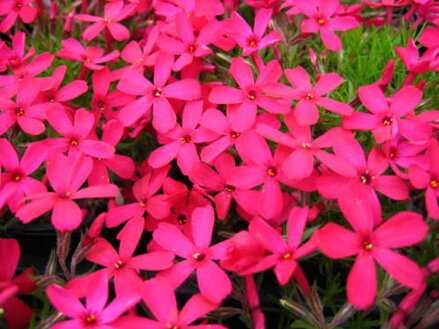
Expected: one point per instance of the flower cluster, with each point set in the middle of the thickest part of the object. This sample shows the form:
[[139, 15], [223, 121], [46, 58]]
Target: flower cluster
[[214, 155]]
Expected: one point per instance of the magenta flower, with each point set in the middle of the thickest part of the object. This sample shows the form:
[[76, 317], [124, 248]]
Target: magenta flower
[[320, 14], [16, 313], [188, 46], [371, 245], [122, 265], [309, 97], [198, 255], [66, 175], [16, 184], [181, 140], [16, 57], [91, 57], [28, 115], [156, 95], [76, 134], [160, 299], [429, 180], [114, 12], [95, 313], [14, 9], [253, 40], [283, 254], [251, 94], [386, 120], [147, 200]]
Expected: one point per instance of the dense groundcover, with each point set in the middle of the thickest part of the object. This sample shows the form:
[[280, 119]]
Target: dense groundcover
[[172, 164]]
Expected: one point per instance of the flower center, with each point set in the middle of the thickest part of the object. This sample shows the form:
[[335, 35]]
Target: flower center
[[367, 245], [142, 203], [272, 171], [90, 319], [199, 256], [229, 188], [186, 139], [321, 21], [365, 178], [18, 5], [87, 59], [306, 146], [309, 96], [16, 177], [235, 134], [101, 104], [169, 325], [119, 264], [74, 142], [387, 121], [251, 95], [19, 111], [253, 42], [65, 195], [434, 183], [107, 20], [191, 49], [287, 255], [182, 220], [157, 92]]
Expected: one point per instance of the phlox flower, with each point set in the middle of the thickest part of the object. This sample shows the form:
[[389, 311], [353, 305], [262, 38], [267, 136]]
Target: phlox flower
[[156, 95], [65, 175], [253, 40], [309, 96], [15, 57], [159, 297], [16, 183], [372, 241], [114, 12], [245, 101], [198, 255], [14, 9], [95, 313], [16, 313], [321, 19]]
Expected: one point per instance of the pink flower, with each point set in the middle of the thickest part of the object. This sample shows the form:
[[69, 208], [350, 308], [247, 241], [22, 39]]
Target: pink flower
[[66, 175], [198, 255], [386, 120], [160, 299], [76, 134], [156, 95], [372, 245], [17, 314], [320, 14], [148, 201], [95, 313], [428, 180], [122, 265], [14, 9], [306, 111], [114, 12], [251, 94], [16, 57], [17, 183], [253, 40]]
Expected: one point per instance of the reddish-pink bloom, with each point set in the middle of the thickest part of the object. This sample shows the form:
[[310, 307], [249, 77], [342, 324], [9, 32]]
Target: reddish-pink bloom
[[17, 314], [89, 56], [77, 134], [321, 19], [122, 265], [414, 63], [95, 313], [180, 142], [16, 184], [371, 244], [148, 201], [113, 13], [253, 40], [156, 95], [198, 255], [309, 96], [159, 297], [16, 57], [66, 175], [386, 120], [13, 9], [429, 180], [251, 94]]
